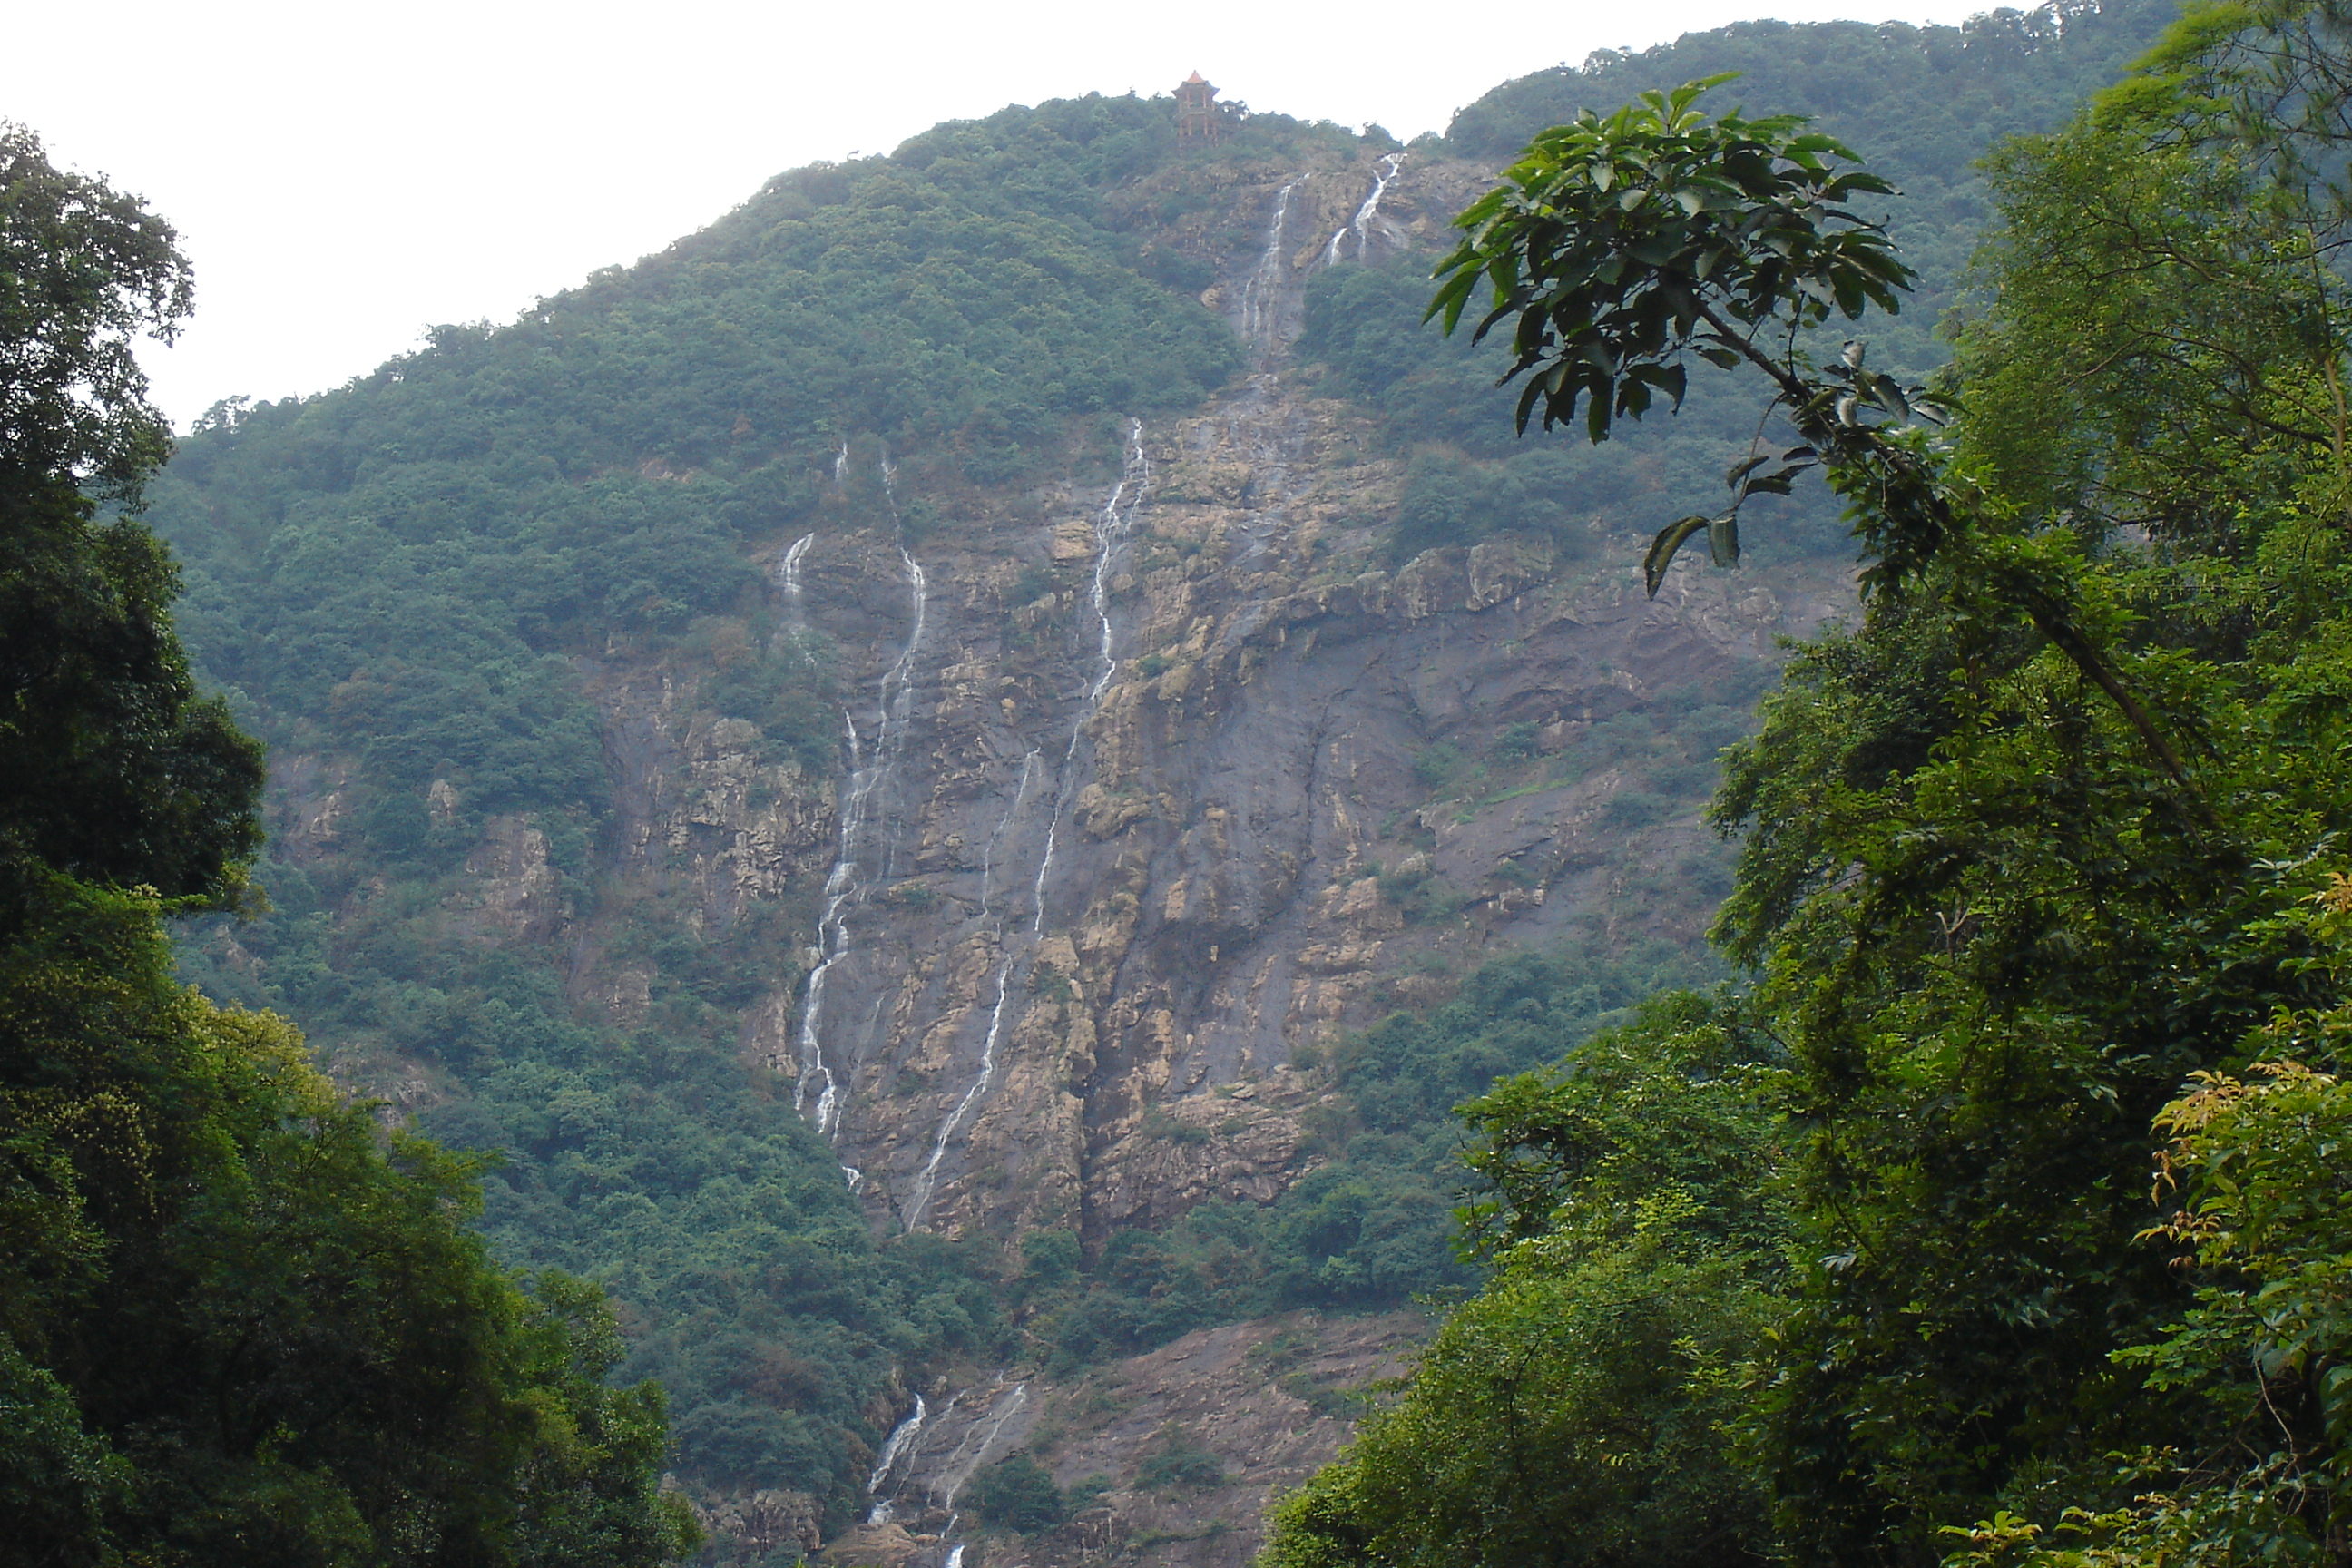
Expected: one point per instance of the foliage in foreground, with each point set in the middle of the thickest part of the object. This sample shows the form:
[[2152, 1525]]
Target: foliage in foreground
[[1579, 1409], [237, 1323], [2053, 830]]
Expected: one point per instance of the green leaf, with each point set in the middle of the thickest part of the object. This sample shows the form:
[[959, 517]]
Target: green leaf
[[1662, 550], [1723, 539]]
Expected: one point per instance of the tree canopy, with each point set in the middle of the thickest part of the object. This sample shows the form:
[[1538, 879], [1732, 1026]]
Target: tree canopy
[[2041, 882], [239, 1323]]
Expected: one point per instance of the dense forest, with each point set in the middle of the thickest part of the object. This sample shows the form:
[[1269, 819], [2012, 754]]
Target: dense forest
[[243, 1324], [2001, 1219], [1976, 1200]]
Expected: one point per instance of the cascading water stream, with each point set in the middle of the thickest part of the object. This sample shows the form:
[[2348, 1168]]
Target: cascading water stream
[[1261, 296], [833, 933], [1112, 526], [842, 886], [966, 1458], [788, 576], [926, 1179], [791, 574], [1362, 223], [903, 1434], [1110, 532]]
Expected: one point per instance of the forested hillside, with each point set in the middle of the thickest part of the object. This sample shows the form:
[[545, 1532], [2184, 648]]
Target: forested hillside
[[949, 780]]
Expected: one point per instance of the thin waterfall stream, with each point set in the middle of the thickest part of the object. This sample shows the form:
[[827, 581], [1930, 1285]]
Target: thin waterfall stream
[[926, 1179], [893, 1447], [1262, 294], [1363, 222], [1111, 529], [844, 888], [1113, 525]]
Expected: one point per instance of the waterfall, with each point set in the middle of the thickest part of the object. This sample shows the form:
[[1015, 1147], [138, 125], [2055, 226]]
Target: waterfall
[[1112, 526], [1261, 296], [1110, 532], [1331, 251], [892, 1446], [926, 1179], [792, 574], [843, 888], [965, 1459], [1012, 813], [788, 576], [833, 932], [1362, 221], [954, 1557], [898, 696]]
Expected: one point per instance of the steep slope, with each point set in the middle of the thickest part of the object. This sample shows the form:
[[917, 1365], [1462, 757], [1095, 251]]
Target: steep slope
[[895, 749]]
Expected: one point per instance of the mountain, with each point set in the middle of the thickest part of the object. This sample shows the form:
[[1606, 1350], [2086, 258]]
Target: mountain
[[955, 772]]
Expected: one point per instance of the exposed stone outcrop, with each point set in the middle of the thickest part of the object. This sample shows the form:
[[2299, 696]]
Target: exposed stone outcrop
[[1256, 1406]]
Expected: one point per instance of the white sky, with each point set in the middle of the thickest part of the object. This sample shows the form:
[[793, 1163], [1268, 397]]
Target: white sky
[[344, 175]]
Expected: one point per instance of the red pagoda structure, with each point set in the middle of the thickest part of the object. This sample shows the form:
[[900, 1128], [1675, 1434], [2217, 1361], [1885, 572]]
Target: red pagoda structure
[[1196, 109]]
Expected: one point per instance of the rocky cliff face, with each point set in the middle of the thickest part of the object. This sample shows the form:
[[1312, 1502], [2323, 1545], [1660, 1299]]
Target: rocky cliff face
[[1143, 764], [1154, 782]]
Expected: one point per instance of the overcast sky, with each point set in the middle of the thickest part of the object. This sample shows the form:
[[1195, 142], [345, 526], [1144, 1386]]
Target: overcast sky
[[345, 174]]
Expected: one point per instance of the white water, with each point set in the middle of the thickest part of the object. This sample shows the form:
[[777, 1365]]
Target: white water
[[793, 573], [926, 1179], [788, 574], [842, 889], [1331, 251], [901, 1436], [1261, 310], [1012, 815], [1111, 529], [1362, 221], [955, 1556], [965, 1459], [833, 933]]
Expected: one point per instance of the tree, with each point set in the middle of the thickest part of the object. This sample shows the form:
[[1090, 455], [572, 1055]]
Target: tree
[[85, 272], [1583, 1409], [2021, 847], [1621, 246], [239, 1322], [112, 768]]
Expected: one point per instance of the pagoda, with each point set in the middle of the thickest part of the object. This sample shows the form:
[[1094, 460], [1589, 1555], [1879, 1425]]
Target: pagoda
[[1196, 109]]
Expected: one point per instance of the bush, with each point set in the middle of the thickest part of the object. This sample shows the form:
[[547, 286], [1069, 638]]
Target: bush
[[1016, 1493]]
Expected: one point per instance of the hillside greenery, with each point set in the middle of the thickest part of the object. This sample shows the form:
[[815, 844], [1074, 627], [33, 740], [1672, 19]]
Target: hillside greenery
[[410, 576], [2000, 1221], [1927, 102], [240, 1321]]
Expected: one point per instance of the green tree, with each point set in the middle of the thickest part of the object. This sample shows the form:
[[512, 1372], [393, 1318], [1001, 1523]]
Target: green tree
[[1018, 1493], [85, 273], [111, 767], [237, 1322], [1583, 1408]]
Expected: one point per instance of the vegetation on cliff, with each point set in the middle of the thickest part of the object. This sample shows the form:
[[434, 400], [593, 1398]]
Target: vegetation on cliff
[[1927, 101], [239, 1322], [2041, 880]]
